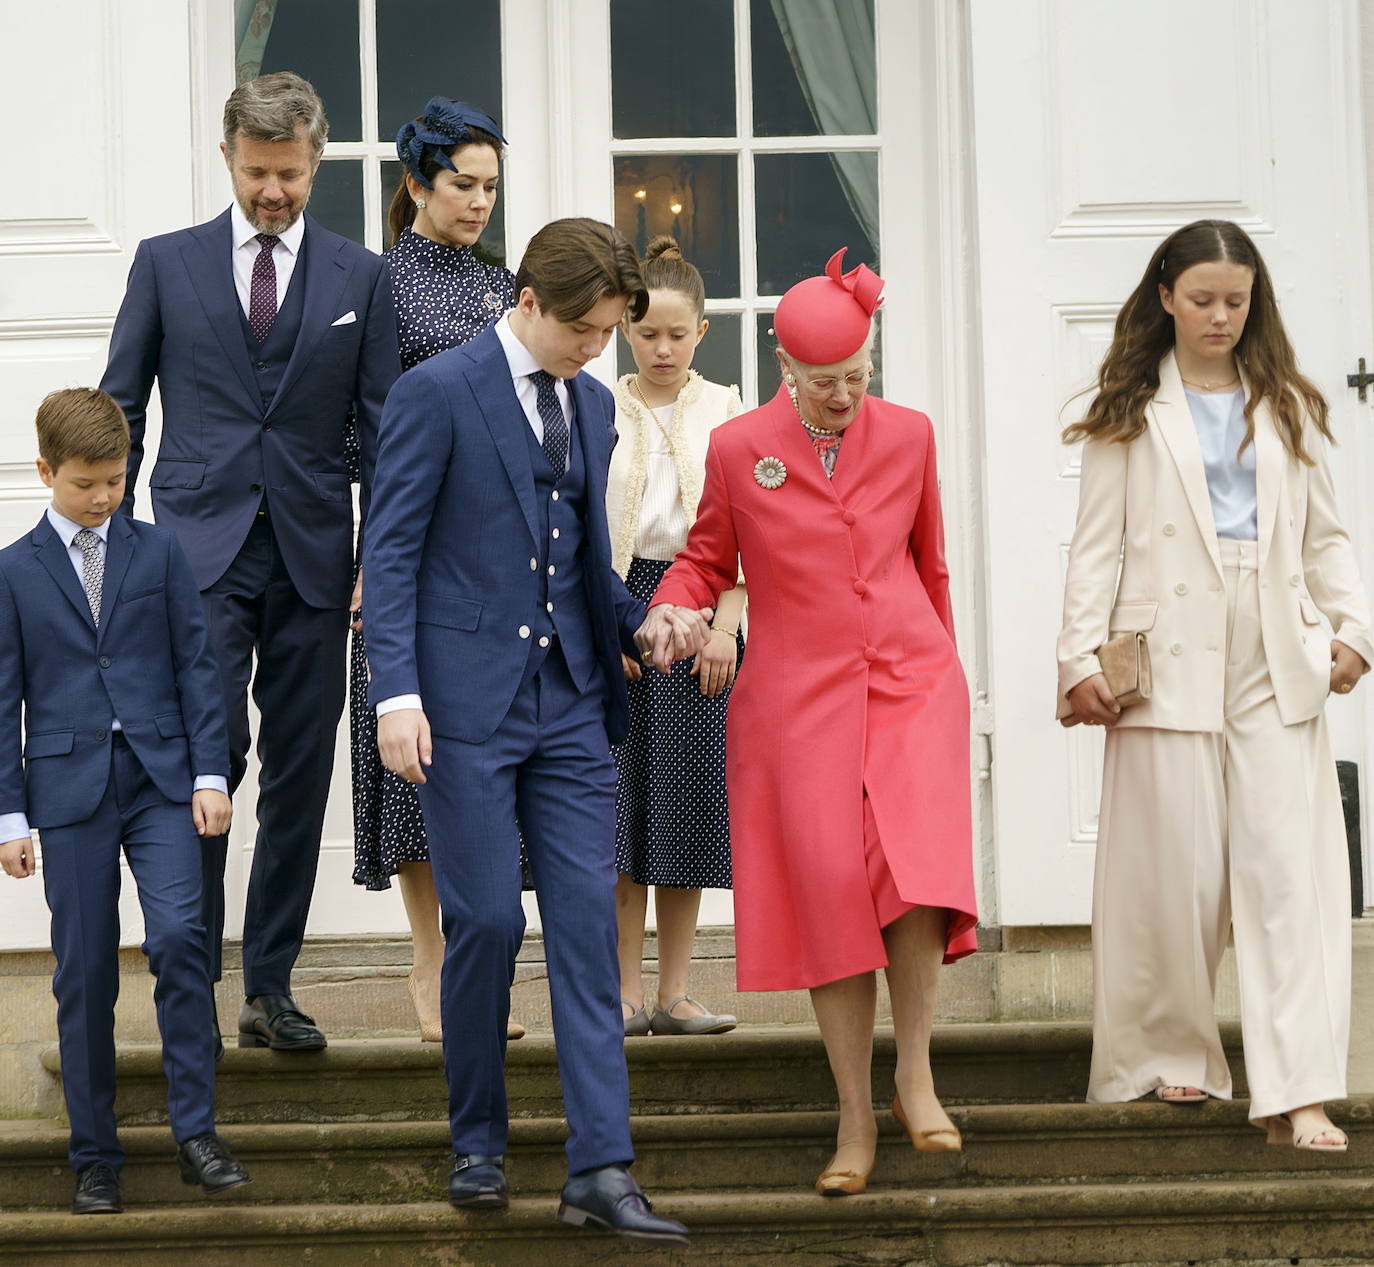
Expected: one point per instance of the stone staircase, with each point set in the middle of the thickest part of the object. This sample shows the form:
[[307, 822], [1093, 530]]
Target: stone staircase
[[348, 1152]]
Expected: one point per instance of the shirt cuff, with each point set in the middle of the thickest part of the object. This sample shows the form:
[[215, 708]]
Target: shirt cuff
[[13, 827], [398, 702], [211, 783]]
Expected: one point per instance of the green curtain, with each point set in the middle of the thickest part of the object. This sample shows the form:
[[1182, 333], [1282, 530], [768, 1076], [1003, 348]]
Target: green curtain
[[252, 26]]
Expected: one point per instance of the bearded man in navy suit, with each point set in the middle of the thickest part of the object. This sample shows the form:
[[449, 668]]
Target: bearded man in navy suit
[[265, 333]]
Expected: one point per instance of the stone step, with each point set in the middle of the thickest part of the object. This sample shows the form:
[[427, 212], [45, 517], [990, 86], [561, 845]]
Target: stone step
[[399, 1162], [1319, 1221], [750, 1070]]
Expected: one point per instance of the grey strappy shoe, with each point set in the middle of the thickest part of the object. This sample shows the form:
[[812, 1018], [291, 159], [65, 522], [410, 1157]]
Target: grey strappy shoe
[[664, 1022], [637, 1023]]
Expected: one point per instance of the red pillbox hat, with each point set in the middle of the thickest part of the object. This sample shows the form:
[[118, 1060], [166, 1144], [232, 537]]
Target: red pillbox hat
[[824, 320]]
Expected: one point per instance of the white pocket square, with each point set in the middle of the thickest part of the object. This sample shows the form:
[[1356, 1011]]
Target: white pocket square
[[346, 320]]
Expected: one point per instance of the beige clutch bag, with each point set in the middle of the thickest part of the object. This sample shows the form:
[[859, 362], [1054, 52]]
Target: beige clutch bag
[[1125, 662]]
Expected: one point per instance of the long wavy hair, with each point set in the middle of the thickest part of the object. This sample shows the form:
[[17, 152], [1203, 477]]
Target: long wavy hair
[[1129, 376]]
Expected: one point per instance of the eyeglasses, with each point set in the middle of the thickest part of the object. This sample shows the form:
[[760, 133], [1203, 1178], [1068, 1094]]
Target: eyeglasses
[[824, 386]]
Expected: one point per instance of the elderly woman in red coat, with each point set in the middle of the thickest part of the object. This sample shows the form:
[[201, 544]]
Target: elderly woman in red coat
[[847, 748]]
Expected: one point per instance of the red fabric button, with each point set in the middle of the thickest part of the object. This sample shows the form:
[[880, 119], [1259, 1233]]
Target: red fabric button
[[850, 517], [870, 654], [860, 587]]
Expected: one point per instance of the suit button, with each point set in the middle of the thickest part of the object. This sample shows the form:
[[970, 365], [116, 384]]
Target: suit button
[[850, 517], [555, 534], [534, 565], [1169, 530], [870, 654], [1176, 649], [543, 642], [100, 736], [1294, 580], [261, 365], [104, 662], [255, 488], [552, 569], [1180, 589], [267, 426], [860, 587], [554, 494], [548, 607], [524, 631]]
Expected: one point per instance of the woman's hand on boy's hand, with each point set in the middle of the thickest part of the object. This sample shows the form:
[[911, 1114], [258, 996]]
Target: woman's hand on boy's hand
[[16, 856], [716, 662], [211, 811]]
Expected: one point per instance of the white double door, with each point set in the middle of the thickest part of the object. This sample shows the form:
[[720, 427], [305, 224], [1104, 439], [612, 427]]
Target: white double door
[[1099, 128]]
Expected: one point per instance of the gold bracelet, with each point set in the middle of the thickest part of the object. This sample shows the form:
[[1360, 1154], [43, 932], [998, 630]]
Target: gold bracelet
[[729, 633]]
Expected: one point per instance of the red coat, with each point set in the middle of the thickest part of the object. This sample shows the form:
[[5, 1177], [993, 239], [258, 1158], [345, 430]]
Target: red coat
[[852, 683]]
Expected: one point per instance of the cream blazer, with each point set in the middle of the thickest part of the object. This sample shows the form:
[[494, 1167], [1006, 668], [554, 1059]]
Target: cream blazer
[[701, 407], [1144, 557]]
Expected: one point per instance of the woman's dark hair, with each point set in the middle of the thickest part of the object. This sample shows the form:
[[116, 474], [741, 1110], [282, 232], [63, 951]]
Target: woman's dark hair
[[1129, 375], [665, 269], [400, 215], [573, 264]]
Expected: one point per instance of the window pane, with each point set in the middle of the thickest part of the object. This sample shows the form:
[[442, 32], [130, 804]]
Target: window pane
[[434, 48], [815, 72], [317, 39], [490, 249], [695, 197], [718, 356], [672, 68], [336, 199], [810, 205]]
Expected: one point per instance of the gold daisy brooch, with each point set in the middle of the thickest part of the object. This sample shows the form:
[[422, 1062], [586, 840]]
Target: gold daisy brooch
[[770, 472]]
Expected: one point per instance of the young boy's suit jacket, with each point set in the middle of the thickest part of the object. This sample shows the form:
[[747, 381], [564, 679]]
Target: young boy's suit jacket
[[148, 665]]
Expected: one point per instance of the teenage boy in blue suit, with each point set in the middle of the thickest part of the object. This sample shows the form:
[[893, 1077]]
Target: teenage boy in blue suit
[[265, 333], [103, 648], [495, 631]]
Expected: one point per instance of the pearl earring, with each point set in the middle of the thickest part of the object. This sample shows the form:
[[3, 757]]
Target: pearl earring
[[789, 380], [420, 202]]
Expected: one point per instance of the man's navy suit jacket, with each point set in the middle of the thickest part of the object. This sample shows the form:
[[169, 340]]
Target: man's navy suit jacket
[[148, 664], [452, 530], [222, 449]]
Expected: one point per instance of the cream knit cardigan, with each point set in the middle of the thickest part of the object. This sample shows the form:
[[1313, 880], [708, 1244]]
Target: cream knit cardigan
[[699, 409]]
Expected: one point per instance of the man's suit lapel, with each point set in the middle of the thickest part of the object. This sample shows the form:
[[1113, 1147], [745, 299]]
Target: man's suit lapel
[[119, 550], [53, 556], [325, 274], [504, 416], [589, 430], [209, 263], [1174, 422]]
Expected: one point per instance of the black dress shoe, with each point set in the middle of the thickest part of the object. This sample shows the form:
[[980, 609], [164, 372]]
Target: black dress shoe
[[97, 1190], [478, 1182], [206, 1160], [608, 1199], [274, 1020]]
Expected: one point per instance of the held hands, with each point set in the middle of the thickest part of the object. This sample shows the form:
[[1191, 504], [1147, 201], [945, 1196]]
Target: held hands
[[404, 742], [672, 633], [632, 670], [16, 857], [1093, 703], [1347, 667], [211, 811], [355, 604], [716, 663]]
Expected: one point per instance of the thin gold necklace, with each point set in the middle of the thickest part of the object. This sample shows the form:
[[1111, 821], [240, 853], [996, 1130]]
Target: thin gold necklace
[[1211, 387], [639, 391]]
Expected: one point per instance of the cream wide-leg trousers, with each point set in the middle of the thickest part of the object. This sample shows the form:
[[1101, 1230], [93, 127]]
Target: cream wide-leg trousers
[[1201, 834]]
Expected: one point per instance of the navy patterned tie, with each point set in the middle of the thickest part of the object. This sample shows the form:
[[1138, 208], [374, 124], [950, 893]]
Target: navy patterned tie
[[262, 295], [92, 569], [555, 425]]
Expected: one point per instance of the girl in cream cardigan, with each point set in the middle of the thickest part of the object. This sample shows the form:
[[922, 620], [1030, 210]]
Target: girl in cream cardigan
[[672, 826]]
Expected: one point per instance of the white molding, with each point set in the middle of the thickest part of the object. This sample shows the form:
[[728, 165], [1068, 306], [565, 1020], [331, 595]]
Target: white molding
[[57, 327]]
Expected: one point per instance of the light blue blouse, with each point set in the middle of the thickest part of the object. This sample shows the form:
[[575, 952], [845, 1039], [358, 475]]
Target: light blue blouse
[[1220, 422]]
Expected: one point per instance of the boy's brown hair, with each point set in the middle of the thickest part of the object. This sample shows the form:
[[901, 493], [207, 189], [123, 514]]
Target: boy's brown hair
[[82, 423], [573, 264]]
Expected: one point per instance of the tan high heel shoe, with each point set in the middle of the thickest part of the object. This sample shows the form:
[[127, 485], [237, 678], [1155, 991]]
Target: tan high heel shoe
[[944, 1139], [841, 1183], [431, 1029]]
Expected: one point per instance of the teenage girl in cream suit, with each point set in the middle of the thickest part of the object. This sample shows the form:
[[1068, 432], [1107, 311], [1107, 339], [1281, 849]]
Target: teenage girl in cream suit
[[1207, 519]]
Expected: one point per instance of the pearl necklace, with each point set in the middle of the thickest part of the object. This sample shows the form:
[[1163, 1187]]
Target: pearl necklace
[[821, 433]]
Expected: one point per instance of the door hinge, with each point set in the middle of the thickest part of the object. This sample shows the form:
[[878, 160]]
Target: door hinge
[[1362, 380]]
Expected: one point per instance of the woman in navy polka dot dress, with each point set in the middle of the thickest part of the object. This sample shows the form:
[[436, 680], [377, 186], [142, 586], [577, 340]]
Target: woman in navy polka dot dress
[[444, 296]]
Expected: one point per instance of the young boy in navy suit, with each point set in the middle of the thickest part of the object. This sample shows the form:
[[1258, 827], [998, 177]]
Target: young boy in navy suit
[[103, 646]]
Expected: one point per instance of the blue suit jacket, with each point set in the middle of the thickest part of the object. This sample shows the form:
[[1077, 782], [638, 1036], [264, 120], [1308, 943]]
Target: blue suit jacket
[[180, 323], [149, 664], [453, 526]]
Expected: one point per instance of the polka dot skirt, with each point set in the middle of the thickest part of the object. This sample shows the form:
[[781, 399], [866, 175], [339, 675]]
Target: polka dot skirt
[[672, 820]]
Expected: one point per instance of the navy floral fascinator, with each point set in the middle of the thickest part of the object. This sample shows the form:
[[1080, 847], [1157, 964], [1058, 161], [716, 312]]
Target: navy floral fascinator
[[444, 125]]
